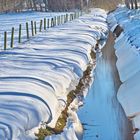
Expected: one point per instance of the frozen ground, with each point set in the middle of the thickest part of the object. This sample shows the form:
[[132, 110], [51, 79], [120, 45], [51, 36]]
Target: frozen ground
[[35, 77], [127, 48]]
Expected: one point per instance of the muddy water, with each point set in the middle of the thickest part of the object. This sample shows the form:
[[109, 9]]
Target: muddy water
[[102, 116]]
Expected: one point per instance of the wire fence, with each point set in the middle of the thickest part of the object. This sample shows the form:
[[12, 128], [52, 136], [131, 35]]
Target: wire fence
[[29, 29]]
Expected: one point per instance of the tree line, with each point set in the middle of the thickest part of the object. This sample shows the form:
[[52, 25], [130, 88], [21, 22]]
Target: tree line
[[42, 5], [133, 4]]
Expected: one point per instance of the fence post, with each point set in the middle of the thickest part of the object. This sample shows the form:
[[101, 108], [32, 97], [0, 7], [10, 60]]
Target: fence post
[[73, 16], [70, 17], [61, 19], [40, 29], [12, 37], [48, 23], [66, 17], [132, 7], [52, 22], [19, 37], [57, 20], [32, 28], [136, 4], [5, 40], [27, 30], [44, 23], [35, 27]]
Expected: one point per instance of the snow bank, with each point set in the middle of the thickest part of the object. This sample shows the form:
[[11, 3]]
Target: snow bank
[[35, 77], [128, 53]]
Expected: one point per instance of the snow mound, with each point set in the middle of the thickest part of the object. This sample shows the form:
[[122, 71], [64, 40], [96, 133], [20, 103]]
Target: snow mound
[[35, 77], [128, 53]]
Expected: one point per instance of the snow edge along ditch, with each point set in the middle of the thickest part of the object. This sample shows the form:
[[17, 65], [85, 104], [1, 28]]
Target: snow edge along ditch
[[128, 64], [73, 128]]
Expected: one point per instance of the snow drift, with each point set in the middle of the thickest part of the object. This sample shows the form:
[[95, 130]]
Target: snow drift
[[128, 53], [36, 77]]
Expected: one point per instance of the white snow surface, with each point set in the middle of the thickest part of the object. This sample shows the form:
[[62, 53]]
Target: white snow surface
[[35, 77], [128, 53], [10, 20]]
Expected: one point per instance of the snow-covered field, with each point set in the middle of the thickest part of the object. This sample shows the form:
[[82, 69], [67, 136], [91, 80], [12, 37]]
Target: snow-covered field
[[128, 53], [35, 77], [9, 20]]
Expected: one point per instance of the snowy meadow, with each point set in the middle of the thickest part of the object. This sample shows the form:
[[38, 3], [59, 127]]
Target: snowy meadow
[[10, 20]]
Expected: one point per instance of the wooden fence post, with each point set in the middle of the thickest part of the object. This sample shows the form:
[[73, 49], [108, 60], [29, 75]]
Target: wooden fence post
[[32, 28], [5, 40], [70, 17], [64, 18], [67, 17], [73, 16], [132, 7], [52, 22], [61, 19], [44, 23], [55, 21], [136, 4], [58, 20], [48, 23], [27, 30], [12, 37], [19, 37], [40, 29], [35, 27]]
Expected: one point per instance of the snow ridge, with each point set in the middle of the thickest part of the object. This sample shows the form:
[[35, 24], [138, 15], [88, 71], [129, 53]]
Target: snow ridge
[[128, 53], [36, 77]]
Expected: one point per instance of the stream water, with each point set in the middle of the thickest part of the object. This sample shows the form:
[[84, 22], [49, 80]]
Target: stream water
[[102, 116]]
